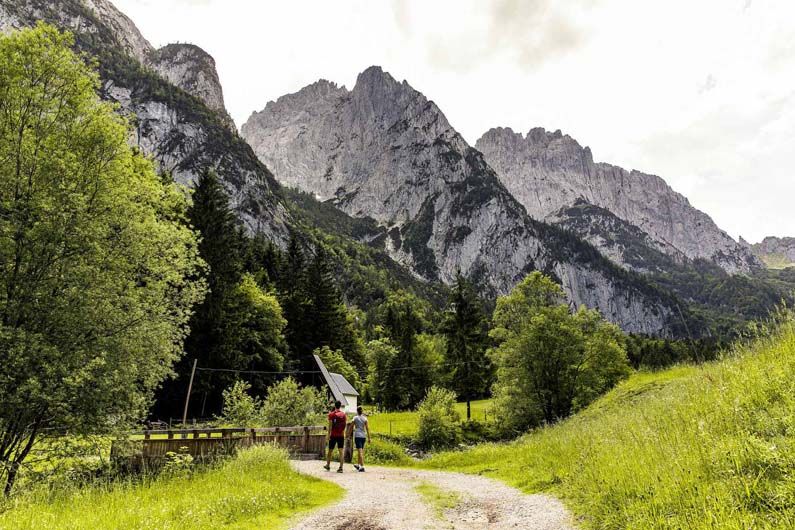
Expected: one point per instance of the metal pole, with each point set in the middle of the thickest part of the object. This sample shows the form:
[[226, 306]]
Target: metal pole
[[187, 396]]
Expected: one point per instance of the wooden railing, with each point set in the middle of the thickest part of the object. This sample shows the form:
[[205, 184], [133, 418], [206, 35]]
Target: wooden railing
[[150, 446]]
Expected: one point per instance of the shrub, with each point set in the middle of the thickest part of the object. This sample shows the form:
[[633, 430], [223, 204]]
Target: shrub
[[239, 407], [288, 404], [382, 451], [439, 422]]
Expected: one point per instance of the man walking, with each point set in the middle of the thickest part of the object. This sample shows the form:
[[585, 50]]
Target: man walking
[[337, 420]]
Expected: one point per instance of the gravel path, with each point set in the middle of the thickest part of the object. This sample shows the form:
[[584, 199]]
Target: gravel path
[[385, 499]]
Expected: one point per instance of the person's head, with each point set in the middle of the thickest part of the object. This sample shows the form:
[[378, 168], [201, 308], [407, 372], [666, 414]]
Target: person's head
[[337, 404], [359, 411]]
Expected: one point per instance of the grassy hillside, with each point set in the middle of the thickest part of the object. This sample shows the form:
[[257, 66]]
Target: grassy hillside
[[255, 490], [690, 447]]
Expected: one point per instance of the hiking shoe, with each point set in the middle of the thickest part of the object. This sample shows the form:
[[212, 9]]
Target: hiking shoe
[[356, 466], [327, 467], [361, 469], [339, 470]]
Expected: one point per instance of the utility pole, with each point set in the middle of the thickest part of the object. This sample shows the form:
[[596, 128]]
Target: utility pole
[[187, 396]]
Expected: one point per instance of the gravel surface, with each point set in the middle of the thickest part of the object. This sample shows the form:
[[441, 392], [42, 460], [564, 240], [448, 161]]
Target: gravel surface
[[384, 498]]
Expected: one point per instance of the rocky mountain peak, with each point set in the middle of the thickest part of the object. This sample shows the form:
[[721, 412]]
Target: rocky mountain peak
[[384, 151], [193, 70], [549, 171], [126, 32]]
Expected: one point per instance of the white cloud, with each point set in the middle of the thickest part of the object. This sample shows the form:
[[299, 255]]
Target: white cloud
[[697, 92]]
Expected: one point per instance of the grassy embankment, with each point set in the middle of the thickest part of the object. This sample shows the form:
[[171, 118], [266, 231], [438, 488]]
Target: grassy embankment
[[257, 489], [690, 447]]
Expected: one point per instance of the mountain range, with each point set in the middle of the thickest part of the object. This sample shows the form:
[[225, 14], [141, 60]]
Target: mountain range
[[424, 203]]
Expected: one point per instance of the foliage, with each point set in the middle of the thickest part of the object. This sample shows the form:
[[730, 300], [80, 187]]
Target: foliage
[[441, 500], [466, 330], [240, 408], [690, 447], [383, 451], [439, 422], [380, 356], [288, 404], [404, 424], [550, 362], [335, 362], [403, 319], [98, 267], [257, 489], [178, 463]]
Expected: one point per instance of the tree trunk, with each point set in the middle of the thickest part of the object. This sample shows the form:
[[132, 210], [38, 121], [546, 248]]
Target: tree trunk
[[469, 410]]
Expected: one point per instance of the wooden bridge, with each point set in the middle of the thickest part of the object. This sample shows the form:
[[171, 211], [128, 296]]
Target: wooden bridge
[[149, 447]]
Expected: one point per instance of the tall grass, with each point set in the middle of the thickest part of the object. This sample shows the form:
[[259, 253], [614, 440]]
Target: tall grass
[[691, 447], [257, 489]]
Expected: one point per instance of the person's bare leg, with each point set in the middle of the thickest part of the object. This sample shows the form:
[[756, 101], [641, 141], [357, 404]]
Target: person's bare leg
[[361, 457], [328, 457], [342, 456]]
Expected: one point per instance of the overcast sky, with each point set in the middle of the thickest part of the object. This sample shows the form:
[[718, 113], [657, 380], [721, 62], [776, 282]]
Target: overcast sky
[[700, 92]]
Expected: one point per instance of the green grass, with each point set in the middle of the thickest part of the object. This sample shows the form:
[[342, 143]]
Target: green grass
[[438, 499], [257, 489], [406, 423], [690, 447]]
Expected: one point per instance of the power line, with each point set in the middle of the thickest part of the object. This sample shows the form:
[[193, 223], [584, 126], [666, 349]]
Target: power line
[[294, 372]]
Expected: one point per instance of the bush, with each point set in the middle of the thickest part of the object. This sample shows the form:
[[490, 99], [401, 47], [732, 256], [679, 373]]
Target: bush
[[239, 407], [289, 404], [439, 422], [382, 451]]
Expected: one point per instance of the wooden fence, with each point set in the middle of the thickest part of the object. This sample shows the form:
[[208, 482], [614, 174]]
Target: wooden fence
[[150, 446]]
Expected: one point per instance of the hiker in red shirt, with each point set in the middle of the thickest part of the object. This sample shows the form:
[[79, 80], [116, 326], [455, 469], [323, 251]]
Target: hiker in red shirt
[[337, 420]]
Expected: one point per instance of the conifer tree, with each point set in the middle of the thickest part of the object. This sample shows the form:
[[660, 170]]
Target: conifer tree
[[464, 325]]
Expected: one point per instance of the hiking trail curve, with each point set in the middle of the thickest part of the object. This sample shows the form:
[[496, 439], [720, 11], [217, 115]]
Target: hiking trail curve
[[385, 498]]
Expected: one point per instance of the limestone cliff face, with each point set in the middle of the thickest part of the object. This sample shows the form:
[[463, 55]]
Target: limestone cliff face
[[775, 252], [385, 151], [170, 124], [549, 171], [193, 70]]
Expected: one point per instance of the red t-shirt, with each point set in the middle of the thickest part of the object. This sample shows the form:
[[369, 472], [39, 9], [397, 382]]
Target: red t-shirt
[[338, 421]]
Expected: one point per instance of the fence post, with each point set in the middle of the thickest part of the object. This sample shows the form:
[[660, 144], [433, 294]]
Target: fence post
[[305, 448]]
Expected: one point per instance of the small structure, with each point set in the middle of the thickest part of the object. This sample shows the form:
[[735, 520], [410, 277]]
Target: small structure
[[339, 388]]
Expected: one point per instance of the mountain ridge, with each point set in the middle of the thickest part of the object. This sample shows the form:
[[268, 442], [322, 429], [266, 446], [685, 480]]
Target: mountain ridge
[[549, 171]]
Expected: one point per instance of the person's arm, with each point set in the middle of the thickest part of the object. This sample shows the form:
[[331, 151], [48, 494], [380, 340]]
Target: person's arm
[[367, 428]]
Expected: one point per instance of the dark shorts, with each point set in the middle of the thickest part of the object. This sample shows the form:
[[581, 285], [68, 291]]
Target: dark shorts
[[359, 442], [336, 441]]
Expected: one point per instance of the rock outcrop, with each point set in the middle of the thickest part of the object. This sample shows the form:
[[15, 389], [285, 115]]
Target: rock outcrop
[[549, 171], [193, 70], [383, 150], [173, 126], [775, 252]]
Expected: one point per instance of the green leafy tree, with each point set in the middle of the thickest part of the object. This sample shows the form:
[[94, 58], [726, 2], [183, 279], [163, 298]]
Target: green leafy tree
[[381, 356], [465, 327], [289, 404], [253, 337], [439, 423], [335, 361], [98, 264], [295, 303], [549, 361]]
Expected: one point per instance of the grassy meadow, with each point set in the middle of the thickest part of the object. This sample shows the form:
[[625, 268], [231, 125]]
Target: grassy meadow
[[690, 447], [406, 423], [257, 489]]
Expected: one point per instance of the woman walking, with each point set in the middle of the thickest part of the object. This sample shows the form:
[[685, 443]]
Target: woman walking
[[361, 433]]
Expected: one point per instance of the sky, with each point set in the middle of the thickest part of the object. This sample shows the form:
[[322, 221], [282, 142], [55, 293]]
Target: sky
[[700, 92]]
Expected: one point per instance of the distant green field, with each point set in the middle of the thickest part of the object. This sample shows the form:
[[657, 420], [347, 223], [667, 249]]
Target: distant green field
[[255, 490], [405, 423], [709, 447]]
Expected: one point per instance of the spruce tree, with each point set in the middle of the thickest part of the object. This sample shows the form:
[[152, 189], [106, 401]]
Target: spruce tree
[[464, 325]]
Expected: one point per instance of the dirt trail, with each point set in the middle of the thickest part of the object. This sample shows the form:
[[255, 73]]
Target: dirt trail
[[385, 499]]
